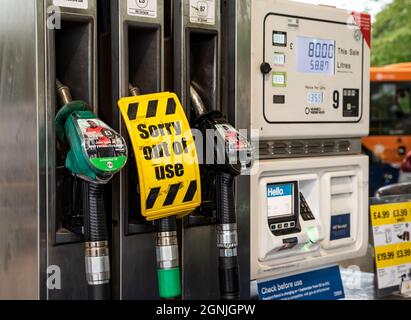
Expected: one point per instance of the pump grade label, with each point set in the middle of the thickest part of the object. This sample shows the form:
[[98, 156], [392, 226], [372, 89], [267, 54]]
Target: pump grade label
[[142, 8], [104, 147], [165, 153], [202, 11], [76, 4]]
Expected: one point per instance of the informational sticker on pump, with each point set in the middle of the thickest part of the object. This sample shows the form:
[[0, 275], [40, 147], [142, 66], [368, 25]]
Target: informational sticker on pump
[[202, 11], [391, 225], [76, 4], [323, 284], [165, 153], [104, 147], [142, 8]]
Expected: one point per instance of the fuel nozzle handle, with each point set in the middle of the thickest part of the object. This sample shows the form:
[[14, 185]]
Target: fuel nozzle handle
[[96, 246], [227, 238], [167, 254]]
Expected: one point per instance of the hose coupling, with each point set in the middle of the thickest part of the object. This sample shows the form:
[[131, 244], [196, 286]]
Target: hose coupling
[[167, 250], [227, 239], [97, 262]]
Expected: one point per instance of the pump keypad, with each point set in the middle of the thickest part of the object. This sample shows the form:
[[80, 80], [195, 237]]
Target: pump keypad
[[305, 210]]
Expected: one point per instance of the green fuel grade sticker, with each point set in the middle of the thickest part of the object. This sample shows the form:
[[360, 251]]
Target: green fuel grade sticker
[[109, 164]]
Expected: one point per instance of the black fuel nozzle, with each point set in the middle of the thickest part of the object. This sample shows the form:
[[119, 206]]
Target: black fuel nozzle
[[232, 153]]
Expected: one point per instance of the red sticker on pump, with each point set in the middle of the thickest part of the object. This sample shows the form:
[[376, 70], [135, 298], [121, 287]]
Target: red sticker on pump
[[363, 21]]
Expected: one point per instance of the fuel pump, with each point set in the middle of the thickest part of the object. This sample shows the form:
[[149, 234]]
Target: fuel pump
[[96, 153], [232, 155], [168, 174]]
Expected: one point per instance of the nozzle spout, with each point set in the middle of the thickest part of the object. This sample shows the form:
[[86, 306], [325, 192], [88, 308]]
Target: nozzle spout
[[196, 102], [63, 93], [133, 91]]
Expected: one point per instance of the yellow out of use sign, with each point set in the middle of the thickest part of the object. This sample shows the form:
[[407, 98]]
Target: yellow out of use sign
[[165, 153]]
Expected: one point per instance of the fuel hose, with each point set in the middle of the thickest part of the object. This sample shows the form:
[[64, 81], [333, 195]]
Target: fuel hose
[[97, 259], [227, 238]]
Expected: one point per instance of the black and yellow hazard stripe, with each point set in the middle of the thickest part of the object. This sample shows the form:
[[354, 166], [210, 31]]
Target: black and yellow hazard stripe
[[152, 109], [172, 194]]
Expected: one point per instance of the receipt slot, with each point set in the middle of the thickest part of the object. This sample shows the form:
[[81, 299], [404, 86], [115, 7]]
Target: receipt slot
[[137, 41], [301, 79]]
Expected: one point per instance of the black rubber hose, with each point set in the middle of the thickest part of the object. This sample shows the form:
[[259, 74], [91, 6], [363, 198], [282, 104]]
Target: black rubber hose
[[166, 224], [95, 230], [225, 199], [95, 226], [229, 278], [228, 266], [99, 292]]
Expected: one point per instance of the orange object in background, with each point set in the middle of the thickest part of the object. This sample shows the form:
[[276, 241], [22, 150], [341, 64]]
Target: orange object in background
[[390, 128], [389, 149], [392, 73]]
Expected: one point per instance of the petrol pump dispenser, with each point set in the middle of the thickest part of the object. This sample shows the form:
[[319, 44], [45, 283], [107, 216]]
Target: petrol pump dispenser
[[96, 153], [301, 79]]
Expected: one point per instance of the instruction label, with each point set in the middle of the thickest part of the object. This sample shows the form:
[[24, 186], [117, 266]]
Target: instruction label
[[391, 233], [76, 4], [323, 284], [142, 8], [202, 11], [165, 153]]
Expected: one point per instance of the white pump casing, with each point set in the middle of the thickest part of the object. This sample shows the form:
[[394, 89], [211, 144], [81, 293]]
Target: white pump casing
[[288, 103], [332, 186]]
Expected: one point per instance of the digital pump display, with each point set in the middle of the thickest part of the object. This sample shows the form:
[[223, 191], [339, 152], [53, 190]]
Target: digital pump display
[[280, 200], [315, 55]]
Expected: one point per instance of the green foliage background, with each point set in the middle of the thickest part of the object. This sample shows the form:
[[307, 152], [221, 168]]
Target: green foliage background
[[391, 34]]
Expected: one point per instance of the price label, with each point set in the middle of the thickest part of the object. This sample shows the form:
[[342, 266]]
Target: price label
[[391, 232], [390, 213]]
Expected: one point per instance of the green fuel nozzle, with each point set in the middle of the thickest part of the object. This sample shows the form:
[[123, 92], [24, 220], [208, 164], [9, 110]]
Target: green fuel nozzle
[[96, 153]]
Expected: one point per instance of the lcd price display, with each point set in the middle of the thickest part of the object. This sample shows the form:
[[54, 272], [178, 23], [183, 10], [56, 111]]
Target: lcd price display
[[315, 55]]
